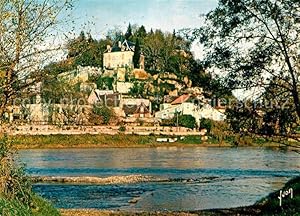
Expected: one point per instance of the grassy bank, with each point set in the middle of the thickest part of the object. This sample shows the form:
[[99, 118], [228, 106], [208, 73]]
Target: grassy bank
[[102, 141], [121, 140], [39, 207]]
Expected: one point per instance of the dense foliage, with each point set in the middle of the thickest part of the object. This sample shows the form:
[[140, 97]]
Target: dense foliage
[[187, 121], [206, 124], [255, 43], [16, 196], [102, 115]]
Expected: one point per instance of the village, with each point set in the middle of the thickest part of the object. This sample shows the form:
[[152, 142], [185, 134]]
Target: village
[[153, 107], [133, 114]]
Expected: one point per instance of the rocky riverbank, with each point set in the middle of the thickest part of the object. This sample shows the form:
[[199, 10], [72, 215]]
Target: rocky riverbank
[[130, 179]]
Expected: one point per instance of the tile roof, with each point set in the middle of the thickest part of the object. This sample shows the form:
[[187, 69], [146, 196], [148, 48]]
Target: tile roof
[[181, 99]]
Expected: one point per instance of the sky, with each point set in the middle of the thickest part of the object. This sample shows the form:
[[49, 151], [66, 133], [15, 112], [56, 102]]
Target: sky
[[99, 16]]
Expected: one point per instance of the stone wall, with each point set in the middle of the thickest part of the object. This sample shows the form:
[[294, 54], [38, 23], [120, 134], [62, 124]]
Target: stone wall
[[111, 130]]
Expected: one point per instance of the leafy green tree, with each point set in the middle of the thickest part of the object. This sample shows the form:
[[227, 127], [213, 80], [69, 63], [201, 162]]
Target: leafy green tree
[[164, 53], [137, 54], [86, 51], [105, 115], [188, 121], [137, 90], [105, 83], [141, 32], [26, 27], [254, 42], [59, 90], [206, 124]]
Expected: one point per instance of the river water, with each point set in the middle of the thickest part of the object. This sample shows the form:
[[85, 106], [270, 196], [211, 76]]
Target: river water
[[199, 178]]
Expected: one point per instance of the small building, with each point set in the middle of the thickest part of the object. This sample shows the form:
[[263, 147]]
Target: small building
[[136, 107]]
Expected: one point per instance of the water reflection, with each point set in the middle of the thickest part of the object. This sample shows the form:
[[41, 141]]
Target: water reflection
[[241, 176]]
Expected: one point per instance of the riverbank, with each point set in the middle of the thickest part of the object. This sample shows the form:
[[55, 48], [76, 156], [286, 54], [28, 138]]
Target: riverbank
[[122, 141], [266, 206]]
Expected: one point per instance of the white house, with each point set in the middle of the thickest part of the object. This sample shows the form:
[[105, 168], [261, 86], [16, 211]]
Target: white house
[[208, 112], [185, 105]]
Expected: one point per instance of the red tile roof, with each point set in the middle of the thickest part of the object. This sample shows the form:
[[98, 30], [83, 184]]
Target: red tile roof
[[181, 99]]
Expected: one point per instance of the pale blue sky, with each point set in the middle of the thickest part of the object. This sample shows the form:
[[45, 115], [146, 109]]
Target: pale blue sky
[[101, 15]]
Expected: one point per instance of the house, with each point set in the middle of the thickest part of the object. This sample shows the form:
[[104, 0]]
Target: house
[[189, 105], [104, 97], [136, 107], [209, 112], [121, 56], [37, 113], [123, 107]]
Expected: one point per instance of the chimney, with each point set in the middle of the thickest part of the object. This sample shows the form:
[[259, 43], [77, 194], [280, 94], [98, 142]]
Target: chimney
[[108, 48]]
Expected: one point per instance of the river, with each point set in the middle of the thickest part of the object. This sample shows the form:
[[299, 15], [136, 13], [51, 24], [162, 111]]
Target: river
[[199, 178]]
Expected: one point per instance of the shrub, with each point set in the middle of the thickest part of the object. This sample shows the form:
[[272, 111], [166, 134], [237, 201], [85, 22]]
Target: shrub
[[168, 122], [104, 114], [122, 128], [105, 82], [16, 196], [206, 124], [183, 120], [188, 121], [14, 184]]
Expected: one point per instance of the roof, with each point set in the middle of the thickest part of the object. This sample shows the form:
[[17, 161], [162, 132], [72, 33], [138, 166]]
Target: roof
[[103, 92], [115, 49], [111, 100], [181, 99], [107, 97], [135, 109], [129, 110], [129, 46]]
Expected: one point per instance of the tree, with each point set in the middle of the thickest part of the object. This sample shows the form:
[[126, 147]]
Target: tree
[[128, 33], [206, 124], [102, 115], [27, 29], [164, 53], [255, 42], [141, 32], [137, 54], [115, 35], [87, 51], [188, 121], [137, 90]]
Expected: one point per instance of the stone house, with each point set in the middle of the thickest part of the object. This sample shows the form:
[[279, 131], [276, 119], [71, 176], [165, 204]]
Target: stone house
[[121, 56], [123, 107]]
